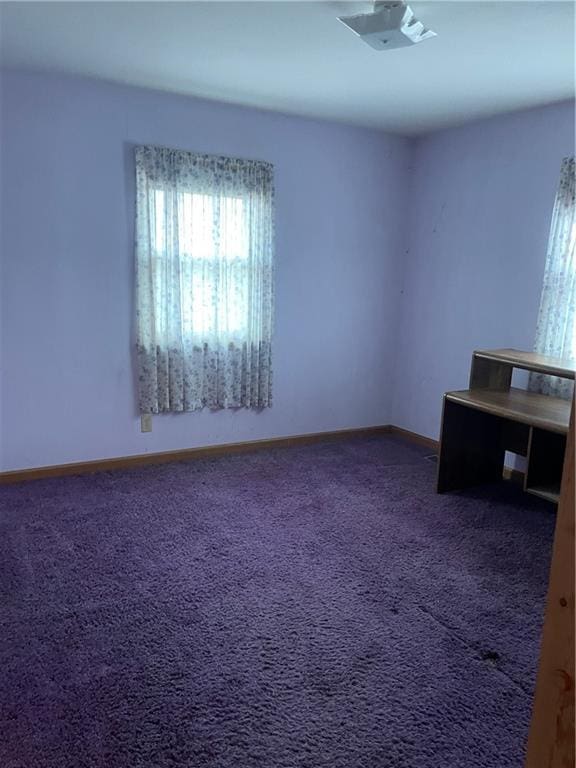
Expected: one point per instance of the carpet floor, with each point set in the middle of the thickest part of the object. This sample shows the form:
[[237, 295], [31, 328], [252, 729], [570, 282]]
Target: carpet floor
[[314, 607]]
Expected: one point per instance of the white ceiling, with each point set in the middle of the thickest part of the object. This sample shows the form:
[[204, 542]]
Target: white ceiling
[[489, 57]]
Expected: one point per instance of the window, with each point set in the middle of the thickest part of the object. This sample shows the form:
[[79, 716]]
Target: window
[[556, 329], [204, 280], [212, 236]]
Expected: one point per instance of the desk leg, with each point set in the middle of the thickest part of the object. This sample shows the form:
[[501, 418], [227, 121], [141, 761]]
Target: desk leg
[[471, 448]]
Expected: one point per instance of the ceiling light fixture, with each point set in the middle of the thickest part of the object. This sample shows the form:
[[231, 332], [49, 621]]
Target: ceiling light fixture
[[390, 25]]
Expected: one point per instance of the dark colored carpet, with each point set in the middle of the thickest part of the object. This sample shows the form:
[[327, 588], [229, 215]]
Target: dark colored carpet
[[312, 607]]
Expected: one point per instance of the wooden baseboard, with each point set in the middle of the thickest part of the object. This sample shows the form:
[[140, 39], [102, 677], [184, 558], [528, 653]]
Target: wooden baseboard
[[514, 475], [427, 442], [509, 473], [187, 454]]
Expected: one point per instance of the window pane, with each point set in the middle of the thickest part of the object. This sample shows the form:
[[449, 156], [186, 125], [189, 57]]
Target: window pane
[[212, 246], [196, 223]]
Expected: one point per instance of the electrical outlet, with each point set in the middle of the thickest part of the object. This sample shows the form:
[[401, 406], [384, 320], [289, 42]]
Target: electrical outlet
[[146, 422]]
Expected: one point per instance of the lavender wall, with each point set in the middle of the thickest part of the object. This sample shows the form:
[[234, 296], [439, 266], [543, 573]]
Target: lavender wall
[[378, 303], [481, 200], [67, 390]]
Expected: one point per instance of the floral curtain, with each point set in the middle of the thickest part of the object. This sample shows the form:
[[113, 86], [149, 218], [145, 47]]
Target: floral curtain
[[556, 328], [204, 287]]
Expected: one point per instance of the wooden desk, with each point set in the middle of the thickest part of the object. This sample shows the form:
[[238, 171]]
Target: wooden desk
[[481, 423]]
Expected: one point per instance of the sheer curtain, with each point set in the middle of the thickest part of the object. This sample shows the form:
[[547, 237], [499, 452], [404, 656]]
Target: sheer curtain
[[204, 287], [556, 328]]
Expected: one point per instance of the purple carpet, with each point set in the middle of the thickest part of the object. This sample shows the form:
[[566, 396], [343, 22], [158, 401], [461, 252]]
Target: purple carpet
[[309, 607]]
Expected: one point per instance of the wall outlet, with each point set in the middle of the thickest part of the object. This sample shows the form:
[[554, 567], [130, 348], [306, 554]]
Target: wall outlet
[[146, 422]]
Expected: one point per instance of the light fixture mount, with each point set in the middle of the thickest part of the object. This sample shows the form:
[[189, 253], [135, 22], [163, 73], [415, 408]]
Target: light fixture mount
[[390, 25]]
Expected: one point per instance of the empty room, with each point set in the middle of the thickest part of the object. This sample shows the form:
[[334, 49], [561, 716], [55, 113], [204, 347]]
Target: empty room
[[287, 361]]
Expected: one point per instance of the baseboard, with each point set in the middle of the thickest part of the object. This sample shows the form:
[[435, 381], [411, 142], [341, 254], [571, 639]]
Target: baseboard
[[139, 460], [514, 475], [509, 473], [188, 454], [414, 437]]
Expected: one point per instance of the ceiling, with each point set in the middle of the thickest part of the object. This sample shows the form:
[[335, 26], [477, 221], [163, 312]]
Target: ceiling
[[294, 57]]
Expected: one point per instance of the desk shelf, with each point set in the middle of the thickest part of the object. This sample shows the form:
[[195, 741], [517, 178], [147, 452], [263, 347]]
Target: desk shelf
[[549, 492], [530, 408], [529, 361]]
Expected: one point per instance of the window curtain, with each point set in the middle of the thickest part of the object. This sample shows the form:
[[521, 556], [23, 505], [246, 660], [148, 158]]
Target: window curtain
[[556, 327], [204, 284]]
